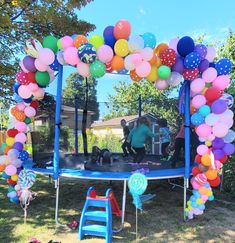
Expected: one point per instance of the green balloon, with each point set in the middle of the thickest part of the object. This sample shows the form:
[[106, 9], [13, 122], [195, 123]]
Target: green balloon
[[97, 69], [42, 78], [4, 145], [97, 41], [51, 43], [164, 72], [27, 120]]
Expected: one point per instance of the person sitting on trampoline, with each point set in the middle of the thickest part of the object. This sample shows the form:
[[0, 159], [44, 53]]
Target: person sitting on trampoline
[[101, 156], [138, 137], [164, 133], [126, 145]]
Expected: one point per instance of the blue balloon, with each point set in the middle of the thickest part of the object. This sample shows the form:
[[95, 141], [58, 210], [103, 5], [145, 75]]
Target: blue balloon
[[149, 40], [123, 71], [185, 46], [212, 64], [17, 98], [211, 198], [23, 155], [15, 200], [193, 198], [223, 66], [87, 53], [201, 206], [192, 60], [55, 65], [197, 119], [194, 204], [204, 110], [4, 175], [16, 87], [73, 36], [109, 38], [29, 100]]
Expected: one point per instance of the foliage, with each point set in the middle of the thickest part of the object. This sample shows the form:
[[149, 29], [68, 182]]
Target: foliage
[[24, 19], [4, 115], [76, 85]]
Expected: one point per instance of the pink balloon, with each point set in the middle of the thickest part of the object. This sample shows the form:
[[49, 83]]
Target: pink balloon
[[211, 53], [40, 66], [23, 67], [220, 130], [204, 197], [71, 55], [203, 130], [66, 42], [147, 53], [13, 154], [202, 149], [105, 53], [10, 170], [17, 163], [173, 44], [211, 119], [194, 184], [52, 76], [143, 69], [197, 85], [211, 137], [20, 106], [46, 56], [221, 82], [198, 101], [83, 69], [218, 164], [209, 74], [24, 92], [21, 126], [161, 84], [20, 137], [39, 93], [136, 59], [30, 111], [33, 87]]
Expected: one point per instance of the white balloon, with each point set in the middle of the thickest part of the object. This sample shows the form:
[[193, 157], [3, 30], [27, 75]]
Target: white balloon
[[230, 137], [136, 43], [212, 119], [175, 79]]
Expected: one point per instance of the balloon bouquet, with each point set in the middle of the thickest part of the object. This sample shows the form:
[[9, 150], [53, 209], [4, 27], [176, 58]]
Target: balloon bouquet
[[164, 65]]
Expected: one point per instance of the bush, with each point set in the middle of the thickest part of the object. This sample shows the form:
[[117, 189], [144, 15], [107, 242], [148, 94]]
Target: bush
[[229, 176]]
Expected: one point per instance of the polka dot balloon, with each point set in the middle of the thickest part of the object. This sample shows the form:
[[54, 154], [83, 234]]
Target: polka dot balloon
[[192, 60], [223, 66], [168, 57]]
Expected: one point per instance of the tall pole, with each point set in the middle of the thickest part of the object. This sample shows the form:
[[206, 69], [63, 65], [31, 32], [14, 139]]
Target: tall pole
[[76, 124], [139, 105]]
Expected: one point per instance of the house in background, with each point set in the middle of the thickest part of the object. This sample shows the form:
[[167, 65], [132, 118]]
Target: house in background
[[113, 127]]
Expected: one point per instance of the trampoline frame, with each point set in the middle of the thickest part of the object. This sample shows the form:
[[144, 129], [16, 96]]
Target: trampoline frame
[[57, 171]]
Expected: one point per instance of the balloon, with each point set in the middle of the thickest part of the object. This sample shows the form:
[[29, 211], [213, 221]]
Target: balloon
[[20, 137], [23, 155], [175, 79], [66, 41], [147, 53], [97, 69], [31, 77], [122, 29], [10, 170], [221, 82], [109, 38], [223, 66], [87, 53], [83, 69], [137, 183], [190, 74], [105, 53], [28, 62], [79, 39], [39, 93], [50, 42], [26, 178], [149, 40], [218, 143], [55, 65], [12, 132], [206, 160], [152, 77], [60, 58], [117, 63], [160, 49], [211, 119], [204, 110], [173, 43], [203, 130], [21, 126], [136, 59], [42, 78], [161, 84], [46, 56], [97, 41], [230, 137], [32, 47], [30, 111], [212, 94], [143, 69], [129, 65], [179, 65], [185, 46], [168, 57], [134, 76], [201, 50], [197, 85], [40, 66], [24, 92], [192, 60], [164, 72], [195, 170], [22, 78], [10, 141], [219, 106], [19, 146], [209, 75], [121, 48], [33, 87], [220, 130], [135, 43], [215, 182], [211, 53], [204, 64], [197, 119], [198, 101], [228, 149], [211, 174], [108, 67]]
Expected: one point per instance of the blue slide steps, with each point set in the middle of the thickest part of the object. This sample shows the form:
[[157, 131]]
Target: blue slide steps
[[96, 216]]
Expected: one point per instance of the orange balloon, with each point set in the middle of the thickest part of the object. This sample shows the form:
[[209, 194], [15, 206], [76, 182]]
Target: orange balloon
[[153, 60], [2, 168], [158, 62], [6, 149], [160, 49], [79, 39], [13, 111], [117, 63], [203, 190], [192, 109], [206, 160], [20, 116], [134, 76], [211, 174]]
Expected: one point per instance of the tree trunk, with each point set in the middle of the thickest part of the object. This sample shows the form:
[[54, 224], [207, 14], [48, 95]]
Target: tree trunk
[[84, 121]]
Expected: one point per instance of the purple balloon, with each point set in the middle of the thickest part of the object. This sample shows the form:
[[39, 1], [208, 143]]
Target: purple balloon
[[19, 170], [19, 146], [219, 106], [218, 143], [201, 50], [229, 148], [218, 154], [28, 62], [203, 65], [179, 65], [109, 38]]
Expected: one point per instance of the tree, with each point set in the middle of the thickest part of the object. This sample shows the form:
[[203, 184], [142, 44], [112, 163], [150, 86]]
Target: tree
[[24, 19]]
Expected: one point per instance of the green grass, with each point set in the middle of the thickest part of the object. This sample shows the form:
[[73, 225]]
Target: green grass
[[161, 220]]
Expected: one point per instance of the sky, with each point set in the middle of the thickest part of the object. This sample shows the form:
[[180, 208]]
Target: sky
[[166, 19]]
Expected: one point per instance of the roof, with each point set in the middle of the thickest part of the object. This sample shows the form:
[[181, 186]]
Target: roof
[[116, 121]]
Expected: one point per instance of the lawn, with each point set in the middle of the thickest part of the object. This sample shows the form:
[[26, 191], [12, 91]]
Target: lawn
[[161, 220]]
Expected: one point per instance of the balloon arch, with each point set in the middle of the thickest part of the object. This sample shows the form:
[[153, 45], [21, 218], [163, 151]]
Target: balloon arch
[[181, 61]]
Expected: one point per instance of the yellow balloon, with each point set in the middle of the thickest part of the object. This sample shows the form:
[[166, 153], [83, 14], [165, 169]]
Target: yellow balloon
[[208, 143], [14, 177], [152, 77], [10, 141], [121, 48]]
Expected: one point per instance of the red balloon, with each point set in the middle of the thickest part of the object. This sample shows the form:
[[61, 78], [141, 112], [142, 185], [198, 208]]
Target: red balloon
[[22, 78], [196, 170], [215, 182], [224, 159], [198, 159], [168, 57], [31, 77], [190, 74], [122, 29], [108, 67], [212, 94], [11, 182], [12, 132], [34, 104]]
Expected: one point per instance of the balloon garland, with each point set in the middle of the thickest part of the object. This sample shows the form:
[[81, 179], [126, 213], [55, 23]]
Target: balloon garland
[[164, 65]]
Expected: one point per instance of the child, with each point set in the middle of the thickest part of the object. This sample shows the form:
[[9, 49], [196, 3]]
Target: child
[[164, 133], [138, 136], [101, 156], [126, 144]]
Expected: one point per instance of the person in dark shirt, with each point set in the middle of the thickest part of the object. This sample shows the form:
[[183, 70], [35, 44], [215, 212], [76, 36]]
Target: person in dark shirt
[[126, 146]]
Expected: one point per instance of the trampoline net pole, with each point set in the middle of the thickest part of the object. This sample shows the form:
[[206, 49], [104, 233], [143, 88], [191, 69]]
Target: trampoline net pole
[[57, 203], [185, 197], [124, 202]]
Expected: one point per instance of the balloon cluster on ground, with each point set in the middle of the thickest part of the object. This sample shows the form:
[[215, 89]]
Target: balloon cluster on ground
[[165, 64]]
